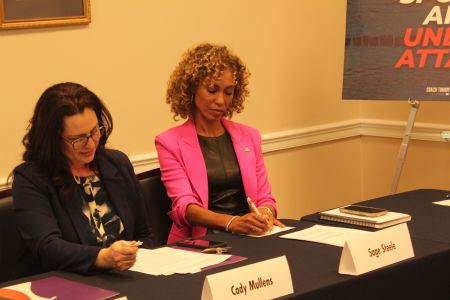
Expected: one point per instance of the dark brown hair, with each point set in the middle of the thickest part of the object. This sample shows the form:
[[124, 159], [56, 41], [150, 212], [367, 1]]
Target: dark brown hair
[[43, 142]]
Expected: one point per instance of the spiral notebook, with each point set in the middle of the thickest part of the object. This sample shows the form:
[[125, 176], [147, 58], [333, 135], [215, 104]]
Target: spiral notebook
[[389, 219]]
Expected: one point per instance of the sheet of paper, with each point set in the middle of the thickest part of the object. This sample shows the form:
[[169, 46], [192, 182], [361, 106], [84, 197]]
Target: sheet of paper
[[168, 261], [330, 235], [443, 202], [275, 230]]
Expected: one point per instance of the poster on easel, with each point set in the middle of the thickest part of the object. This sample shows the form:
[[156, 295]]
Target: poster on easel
[[397, 50]]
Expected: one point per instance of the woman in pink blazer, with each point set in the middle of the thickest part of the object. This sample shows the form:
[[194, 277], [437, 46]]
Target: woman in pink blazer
[[210, 166]]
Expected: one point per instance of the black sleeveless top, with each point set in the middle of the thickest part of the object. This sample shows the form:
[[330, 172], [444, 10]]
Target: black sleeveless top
[[225, 189]]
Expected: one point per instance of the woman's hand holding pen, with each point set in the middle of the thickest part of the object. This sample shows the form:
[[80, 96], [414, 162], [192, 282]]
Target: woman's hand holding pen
[[268, 213], [250, 223], [263, 212], [121, 256]]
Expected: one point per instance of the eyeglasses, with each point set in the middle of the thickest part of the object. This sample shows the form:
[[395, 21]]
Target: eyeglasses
[[81, 142]]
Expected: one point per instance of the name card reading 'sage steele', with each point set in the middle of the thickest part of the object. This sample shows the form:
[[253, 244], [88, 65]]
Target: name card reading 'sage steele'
[[264, 280], [376, 250]]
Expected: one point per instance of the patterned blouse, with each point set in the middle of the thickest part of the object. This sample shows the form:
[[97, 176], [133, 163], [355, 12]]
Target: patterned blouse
[[101, 218]]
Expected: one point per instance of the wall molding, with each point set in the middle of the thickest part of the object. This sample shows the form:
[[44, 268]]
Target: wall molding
[[290, 139]]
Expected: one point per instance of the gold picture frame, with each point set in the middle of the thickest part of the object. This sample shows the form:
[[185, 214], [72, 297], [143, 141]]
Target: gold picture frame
[[16, 14]]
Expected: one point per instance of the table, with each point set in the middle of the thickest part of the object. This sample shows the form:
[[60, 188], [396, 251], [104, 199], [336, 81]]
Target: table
[[313, 266], [429, 221]]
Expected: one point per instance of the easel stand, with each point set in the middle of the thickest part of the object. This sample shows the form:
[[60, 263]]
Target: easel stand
[[404, 146]]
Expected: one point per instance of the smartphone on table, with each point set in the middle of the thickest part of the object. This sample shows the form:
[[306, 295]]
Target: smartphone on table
[[200, 244], [365, 211]]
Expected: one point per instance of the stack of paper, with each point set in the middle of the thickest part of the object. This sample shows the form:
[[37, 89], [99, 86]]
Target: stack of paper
[[168, 261], [275, 230], [443, 202], [336, 236]]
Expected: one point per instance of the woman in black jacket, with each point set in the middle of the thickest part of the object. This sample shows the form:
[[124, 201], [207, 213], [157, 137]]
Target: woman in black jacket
[[78, 205]]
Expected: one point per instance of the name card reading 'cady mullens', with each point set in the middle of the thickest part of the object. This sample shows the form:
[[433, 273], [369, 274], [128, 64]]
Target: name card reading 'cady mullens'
[[264, 280], [376, 250]]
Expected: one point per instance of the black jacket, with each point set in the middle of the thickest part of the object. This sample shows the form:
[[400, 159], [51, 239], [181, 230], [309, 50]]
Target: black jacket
[[53, 228]]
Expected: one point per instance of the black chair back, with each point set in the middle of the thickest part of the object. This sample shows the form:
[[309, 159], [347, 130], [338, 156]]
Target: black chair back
[[157, 204], [15, 260]]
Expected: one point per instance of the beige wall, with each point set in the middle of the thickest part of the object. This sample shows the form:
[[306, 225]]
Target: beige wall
[[427, 165], [315, 177], [437, 112], [294, 49], [128, 51]]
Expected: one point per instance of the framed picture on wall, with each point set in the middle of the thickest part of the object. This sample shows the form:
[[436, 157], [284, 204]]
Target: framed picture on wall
[[40, 13]]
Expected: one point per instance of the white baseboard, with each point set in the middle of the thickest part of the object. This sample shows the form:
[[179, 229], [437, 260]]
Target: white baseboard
[[289, 139]]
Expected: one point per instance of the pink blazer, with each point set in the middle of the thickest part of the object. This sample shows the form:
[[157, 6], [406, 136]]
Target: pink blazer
[[183, 172]]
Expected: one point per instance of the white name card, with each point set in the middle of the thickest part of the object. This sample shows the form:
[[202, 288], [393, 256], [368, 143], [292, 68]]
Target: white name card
[[376, 250], [264, 280]]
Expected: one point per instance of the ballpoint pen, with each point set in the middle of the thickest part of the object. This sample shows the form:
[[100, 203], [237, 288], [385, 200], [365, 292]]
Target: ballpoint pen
[[217, 250], [137, 243]]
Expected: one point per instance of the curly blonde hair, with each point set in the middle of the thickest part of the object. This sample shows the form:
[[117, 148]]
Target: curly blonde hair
[[203, 63]]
